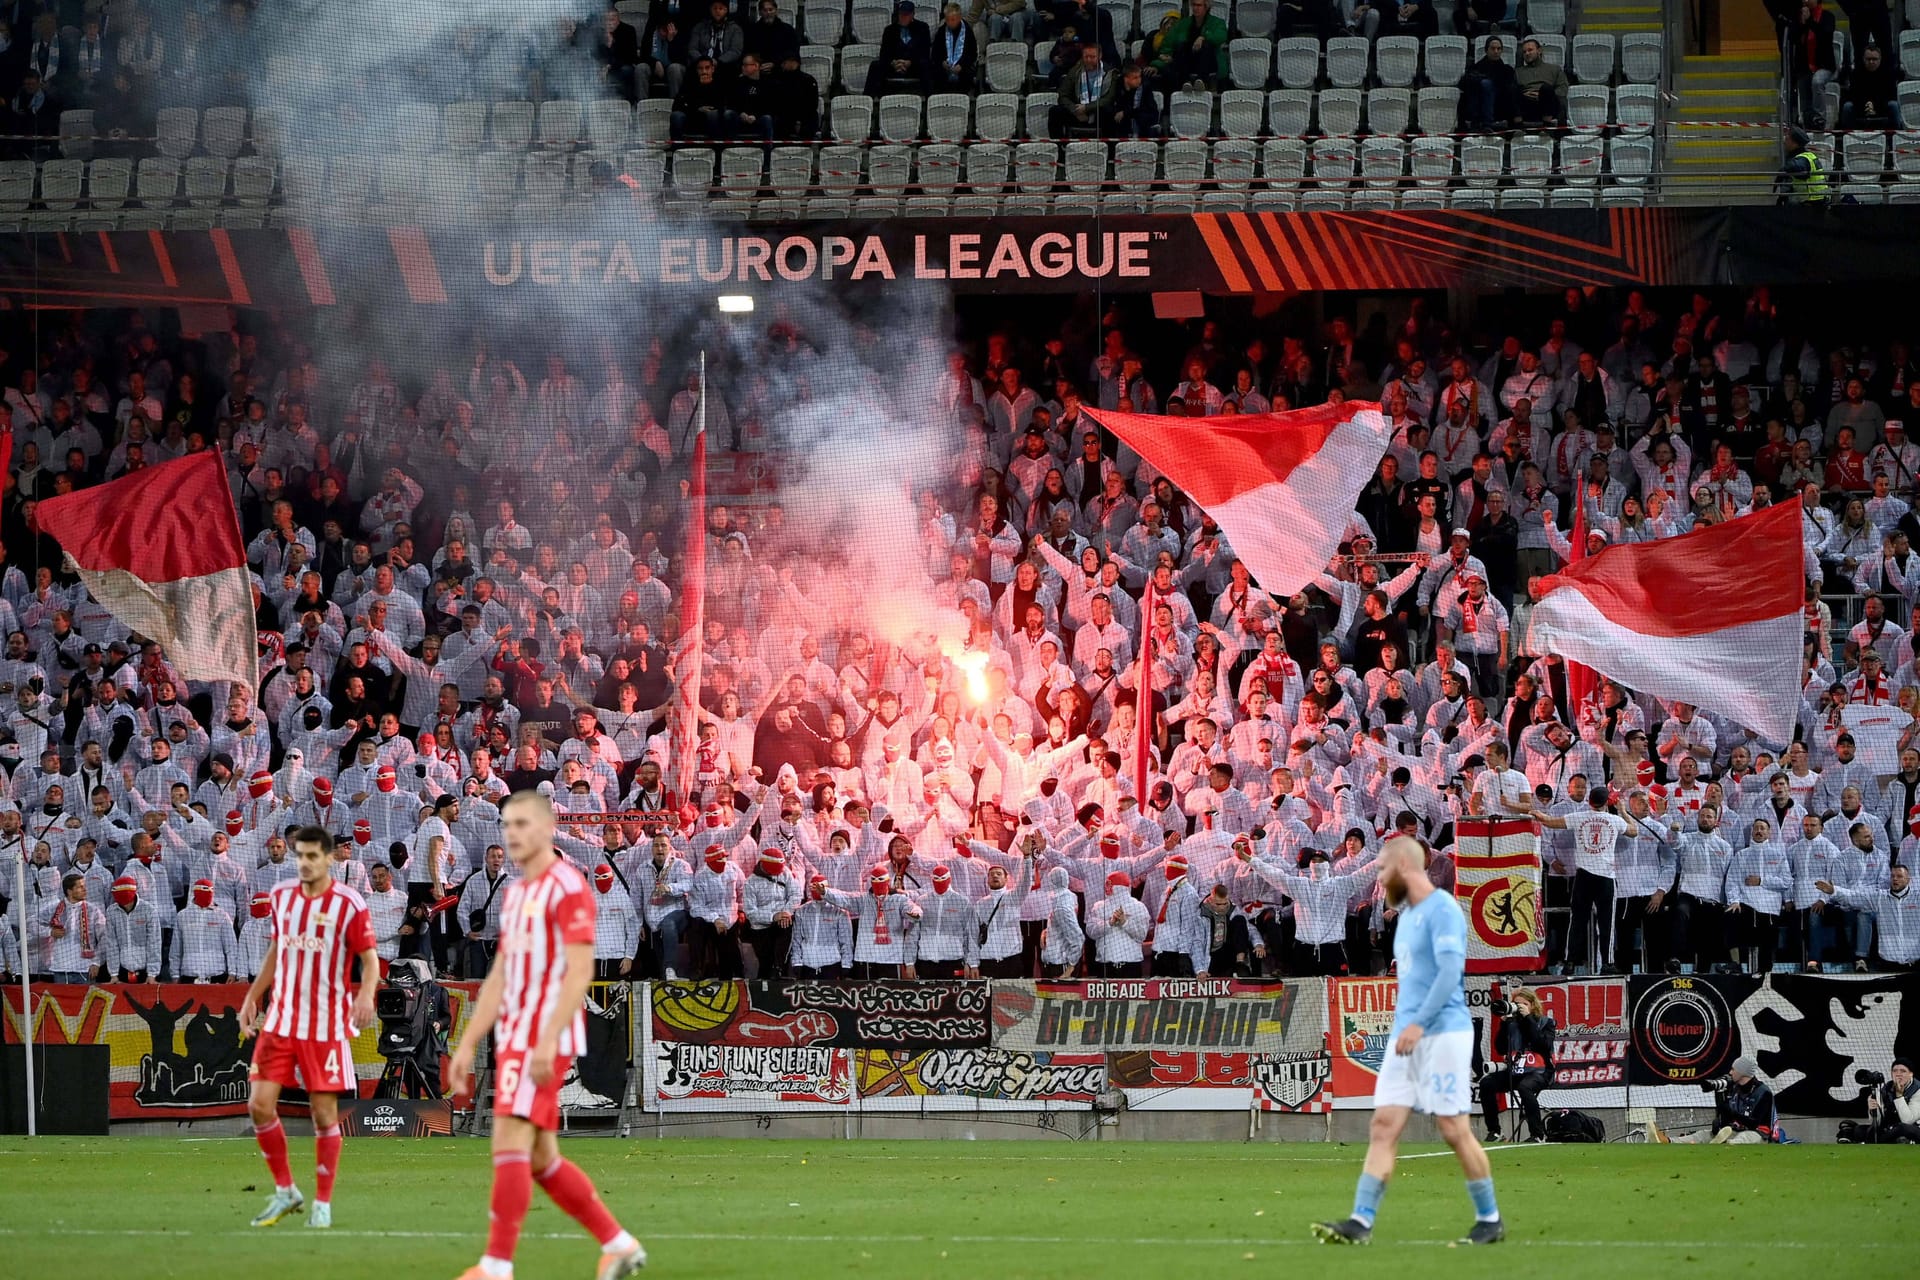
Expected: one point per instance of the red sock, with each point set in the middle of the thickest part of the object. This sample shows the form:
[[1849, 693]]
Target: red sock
[[512, 1192], [326, 1162], [572, 1190], [273, 1145]]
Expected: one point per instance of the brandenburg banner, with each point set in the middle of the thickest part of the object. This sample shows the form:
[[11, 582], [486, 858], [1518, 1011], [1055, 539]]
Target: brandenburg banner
[[1160, 1013]]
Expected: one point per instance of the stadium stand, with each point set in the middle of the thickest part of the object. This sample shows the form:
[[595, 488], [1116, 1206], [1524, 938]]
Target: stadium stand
[[573, 124]]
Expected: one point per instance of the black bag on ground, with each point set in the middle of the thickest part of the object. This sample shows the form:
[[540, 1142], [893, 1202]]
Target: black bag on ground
[[1574, 1126]]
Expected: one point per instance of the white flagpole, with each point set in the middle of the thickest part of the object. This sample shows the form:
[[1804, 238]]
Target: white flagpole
[[26, 986]]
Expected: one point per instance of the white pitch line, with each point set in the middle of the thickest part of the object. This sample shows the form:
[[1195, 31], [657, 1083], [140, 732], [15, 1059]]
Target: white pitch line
[[741, 1237], [1498, 1146]]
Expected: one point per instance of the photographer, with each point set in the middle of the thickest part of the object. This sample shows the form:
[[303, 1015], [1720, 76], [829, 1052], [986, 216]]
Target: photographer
[[1893, 1108], [1743, 1107], [1523, 1042]]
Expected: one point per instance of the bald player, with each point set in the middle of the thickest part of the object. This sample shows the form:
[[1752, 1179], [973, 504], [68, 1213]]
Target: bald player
[[532, 1002], [1430, 1068]]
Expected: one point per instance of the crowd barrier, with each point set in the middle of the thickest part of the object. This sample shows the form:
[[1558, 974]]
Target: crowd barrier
[[1302, 1046]]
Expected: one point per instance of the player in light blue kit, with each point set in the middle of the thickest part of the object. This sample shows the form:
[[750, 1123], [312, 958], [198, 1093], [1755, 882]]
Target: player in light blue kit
[[1430, 1068]]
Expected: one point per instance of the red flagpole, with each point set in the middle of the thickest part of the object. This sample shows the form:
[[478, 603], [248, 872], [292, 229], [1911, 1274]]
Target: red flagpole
[[686, 726], [1143, 702], [1582, 687]]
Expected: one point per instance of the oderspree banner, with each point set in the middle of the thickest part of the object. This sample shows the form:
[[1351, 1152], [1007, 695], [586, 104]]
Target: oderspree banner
[[847, 1015], [1160, 1013], [993, 1075]]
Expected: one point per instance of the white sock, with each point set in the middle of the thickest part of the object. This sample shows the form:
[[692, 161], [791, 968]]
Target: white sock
[[497, 1267], [323, 1204], [622, 1243]]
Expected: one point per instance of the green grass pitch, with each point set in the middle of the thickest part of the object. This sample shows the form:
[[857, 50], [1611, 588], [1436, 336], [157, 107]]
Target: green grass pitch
[[150, 1207]]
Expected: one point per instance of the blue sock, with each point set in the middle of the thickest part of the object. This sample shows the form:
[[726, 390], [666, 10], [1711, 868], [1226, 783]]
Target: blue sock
[[1484, 1208], [1366, 1198]]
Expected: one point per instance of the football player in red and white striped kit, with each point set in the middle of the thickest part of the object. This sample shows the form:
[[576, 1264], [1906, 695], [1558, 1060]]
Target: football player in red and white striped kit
[[532, 1002], [306, 1037]]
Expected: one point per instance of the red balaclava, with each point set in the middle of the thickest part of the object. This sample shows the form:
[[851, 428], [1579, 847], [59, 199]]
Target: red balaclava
[[362, 831], [772, 862], [261, 906], [1110, 845], [203, 893], [1176, 866], [942, 879], [235, 823], [260, 785], [603, 877], [714, 816], [322, 792], [817, 887], [716, 859], [880, 881], [126, 891], [385, 779], [1119, 880]]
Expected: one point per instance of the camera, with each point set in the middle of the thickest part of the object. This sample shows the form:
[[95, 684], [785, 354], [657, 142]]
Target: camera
[[1500, 1008], [1870, 1079], [1714, 1084]]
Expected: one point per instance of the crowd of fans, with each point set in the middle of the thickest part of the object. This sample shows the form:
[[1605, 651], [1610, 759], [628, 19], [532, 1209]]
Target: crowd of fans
[[470, 581]]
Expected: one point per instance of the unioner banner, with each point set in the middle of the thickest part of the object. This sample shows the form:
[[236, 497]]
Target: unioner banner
[[1497, 880], [697, 1074], [1160, 1013]]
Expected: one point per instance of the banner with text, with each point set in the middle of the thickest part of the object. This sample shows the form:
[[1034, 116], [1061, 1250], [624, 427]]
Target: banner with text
[[983, 1075], [1590, 1045], [1295, 1082], [1196, 1014], [1360, 1023], [1811, 1035], [1497, 880], [696, 1076], [846, 1015]]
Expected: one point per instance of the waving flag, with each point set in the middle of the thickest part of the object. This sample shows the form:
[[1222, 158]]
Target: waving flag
[[1281, 486], [1711, 617], [161, 549]]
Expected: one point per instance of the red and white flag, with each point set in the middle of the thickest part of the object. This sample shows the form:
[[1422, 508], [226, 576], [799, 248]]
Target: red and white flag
[[161, 549], [1711, 617], [1281, 486]]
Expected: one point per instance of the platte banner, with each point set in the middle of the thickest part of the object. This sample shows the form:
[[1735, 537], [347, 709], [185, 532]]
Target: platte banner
[[1498, 879], [1295, 1082], [988, 1075], [845, 1015], [1160, 1013]]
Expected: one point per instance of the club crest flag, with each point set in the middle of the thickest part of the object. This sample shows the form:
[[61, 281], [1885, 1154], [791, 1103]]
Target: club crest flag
[[1497, 878]]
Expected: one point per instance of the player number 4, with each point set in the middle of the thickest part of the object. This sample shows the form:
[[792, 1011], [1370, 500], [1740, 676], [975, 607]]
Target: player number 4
[[333, 1064]]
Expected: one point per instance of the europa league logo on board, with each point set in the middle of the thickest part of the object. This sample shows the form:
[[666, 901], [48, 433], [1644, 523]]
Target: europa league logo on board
[[1683, 1030]]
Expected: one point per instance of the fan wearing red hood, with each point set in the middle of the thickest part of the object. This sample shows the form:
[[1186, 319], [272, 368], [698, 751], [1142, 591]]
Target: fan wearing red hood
[[203, 938], [713, 903], [616, 926], [883, 924], [770, 898], [133, 931], [256, 931]]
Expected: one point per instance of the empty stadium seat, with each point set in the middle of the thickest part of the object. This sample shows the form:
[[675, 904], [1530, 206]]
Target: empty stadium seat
[[77, 134], [1240, 112], [899, 119], [938, 168], [1641, 54], [1135, 164], [512, 125], [1630, 159], [1290, 112], [1234, 163], [60, 182], [1530, 160], [1430, 160], [1035, 166], [223, 131], [1388, 110], [949, 115], [1580, 159], [1334, 160], [1339, 112], [1396, 60], [1482, 160], [1636, 107], [1437, 109], [1190, 113], [1589, 107], [1183, 163], [1592, 58], [1383, 161], [157, 180], [177, 129], [1446, 60], [205, 179], [996, 116], [987, 167], [1297, 62], [1248, 62], [1347, 61]]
